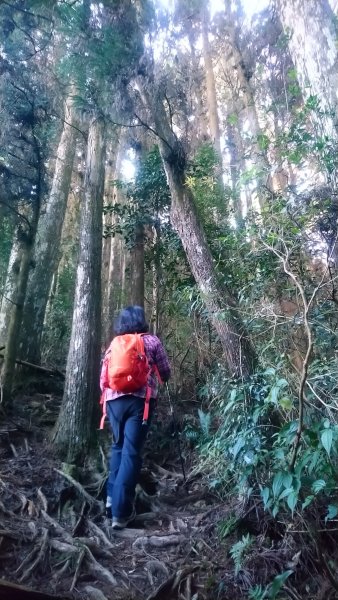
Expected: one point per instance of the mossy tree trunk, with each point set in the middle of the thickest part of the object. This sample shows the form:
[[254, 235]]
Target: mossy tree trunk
[[48, 241], [8, 292], [27, 240], [219, 301], [75, 425]]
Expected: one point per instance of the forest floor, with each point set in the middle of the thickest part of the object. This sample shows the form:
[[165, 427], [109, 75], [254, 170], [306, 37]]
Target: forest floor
[[55, 537]]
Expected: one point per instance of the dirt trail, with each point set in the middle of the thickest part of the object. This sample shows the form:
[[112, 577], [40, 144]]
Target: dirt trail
[[55, 537]]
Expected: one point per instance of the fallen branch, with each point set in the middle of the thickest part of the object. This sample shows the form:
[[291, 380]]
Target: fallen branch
[[30, 365]]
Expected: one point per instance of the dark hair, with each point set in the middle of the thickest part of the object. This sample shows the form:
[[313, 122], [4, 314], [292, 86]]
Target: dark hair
[[131, 320]]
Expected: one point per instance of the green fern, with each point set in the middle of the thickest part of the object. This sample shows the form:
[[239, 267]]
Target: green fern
[[205, 420], [272, 590], [239, 550], [257, 593], [227, 526]]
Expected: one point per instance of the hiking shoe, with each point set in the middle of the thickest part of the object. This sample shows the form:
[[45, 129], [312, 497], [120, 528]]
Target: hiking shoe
[[121, 523], [108, 510]]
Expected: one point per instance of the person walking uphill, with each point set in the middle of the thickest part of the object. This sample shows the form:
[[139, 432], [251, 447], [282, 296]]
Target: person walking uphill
[[131, 368]]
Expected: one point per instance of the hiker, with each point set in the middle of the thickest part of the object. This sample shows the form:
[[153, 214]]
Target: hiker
[[130, 360]]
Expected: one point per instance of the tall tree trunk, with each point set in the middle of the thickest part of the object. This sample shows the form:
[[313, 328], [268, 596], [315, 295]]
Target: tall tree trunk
[[157, 278], [108, 221], [243, 100], [312, 37], [126, 270], [54, 345], [75, 423], [235, 162], [137, 250], [199, 125], [210, 84], [12, 341], [8, 292], [48, 241], [220, 303], [115, 276], [312, 32], [137, 267]]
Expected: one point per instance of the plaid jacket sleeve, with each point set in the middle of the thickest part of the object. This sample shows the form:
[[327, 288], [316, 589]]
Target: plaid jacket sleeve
[[104, 373], [162, 361]]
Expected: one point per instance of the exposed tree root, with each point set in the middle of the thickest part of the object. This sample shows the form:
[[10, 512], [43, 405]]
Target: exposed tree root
[[55, 539], [39, 558], [92, 501], [167, 589], [94, 593], [77, 569], [99, 570], [158, 541]]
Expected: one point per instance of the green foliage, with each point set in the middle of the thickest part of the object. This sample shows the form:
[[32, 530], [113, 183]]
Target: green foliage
[[272, 590], [203, 178], [108, 35], [251, 447], [146, 198], [239, 551], [59, 319], [303, 141], [227, 526]]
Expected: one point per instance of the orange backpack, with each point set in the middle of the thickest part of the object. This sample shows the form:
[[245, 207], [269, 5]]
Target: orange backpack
[[128, 370], [128, 367]]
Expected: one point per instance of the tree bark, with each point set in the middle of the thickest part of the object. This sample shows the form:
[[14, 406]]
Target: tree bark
[[137, 250], [157, 278], [115, 275], [235, 161], [75, 423], [220, 303], [27, 246], [48, 241], [243, 100], [137, 267], [312, 32], [199, 125], [8, 292], [108, 242], [312, 37], [210, 85], [125, 275]]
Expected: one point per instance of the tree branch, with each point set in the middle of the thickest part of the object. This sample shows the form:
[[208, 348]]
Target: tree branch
[[26, 12]]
